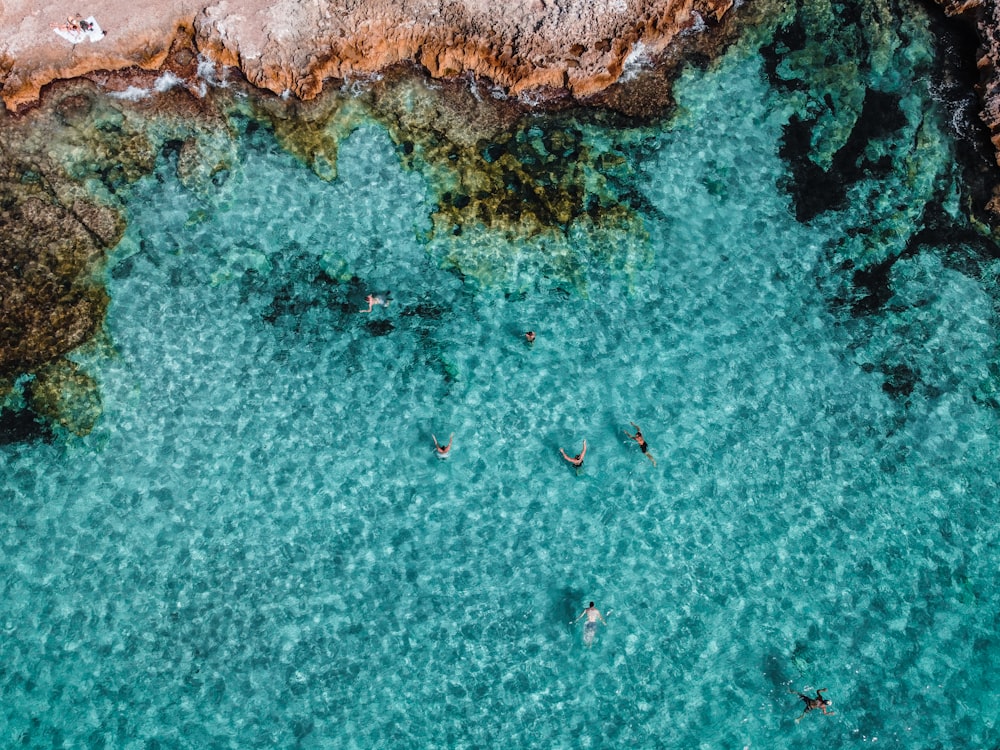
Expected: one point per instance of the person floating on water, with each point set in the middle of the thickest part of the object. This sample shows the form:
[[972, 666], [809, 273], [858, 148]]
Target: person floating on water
[[576, 460], [643, 446], [530, 337], [818, 702], [442, 450], [593, 615], [375, 299]]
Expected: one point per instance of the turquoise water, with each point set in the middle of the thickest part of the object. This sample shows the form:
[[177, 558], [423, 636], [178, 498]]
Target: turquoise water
[[257, 546]]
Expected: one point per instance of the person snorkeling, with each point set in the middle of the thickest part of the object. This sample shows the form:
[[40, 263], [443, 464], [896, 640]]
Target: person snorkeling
[[593, 615], [377, 299]]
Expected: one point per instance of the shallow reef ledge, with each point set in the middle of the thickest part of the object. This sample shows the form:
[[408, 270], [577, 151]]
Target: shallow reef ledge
[[576, 46]]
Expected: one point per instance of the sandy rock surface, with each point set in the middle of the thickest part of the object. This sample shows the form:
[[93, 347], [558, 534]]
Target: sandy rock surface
[[295, 45]]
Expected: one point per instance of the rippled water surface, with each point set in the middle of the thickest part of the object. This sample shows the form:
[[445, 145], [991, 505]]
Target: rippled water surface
[[257, 546]]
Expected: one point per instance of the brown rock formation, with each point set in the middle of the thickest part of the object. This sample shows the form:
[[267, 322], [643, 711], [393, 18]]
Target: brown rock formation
[[580, 46]]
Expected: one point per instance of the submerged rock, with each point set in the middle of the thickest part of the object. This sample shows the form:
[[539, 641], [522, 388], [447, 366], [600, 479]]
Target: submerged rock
[[60, 215], [49, 302], [64, 394]]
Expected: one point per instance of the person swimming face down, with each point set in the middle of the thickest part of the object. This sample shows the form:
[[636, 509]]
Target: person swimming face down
[[641, 440], [593, 615], [375, 299], [812, 703]]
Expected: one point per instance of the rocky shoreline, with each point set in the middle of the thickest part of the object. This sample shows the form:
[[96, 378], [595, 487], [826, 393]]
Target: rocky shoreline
[[536, 49], [574, 46], [984, 17]]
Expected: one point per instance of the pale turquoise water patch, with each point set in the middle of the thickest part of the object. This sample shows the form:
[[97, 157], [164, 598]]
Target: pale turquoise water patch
[[257, 547]]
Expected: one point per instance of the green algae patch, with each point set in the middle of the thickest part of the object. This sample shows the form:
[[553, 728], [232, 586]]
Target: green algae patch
[[94, 141], [515, 192], [310, 131]]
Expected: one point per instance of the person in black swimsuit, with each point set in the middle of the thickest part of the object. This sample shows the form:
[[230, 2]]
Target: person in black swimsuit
[[818, 702], [643, 446]]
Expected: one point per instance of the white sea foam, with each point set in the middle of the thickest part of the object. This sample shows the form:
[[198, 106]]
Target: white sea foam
[[637, 60], [132, 94], [699, 24], [166, 82], [212, 73]]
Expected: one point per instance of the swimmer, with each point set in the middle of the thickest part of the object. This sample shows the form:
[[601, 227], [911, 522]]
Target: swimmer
[[576, 460], [442, 450], [374, 299], [643, 446], [593, 615], [530, 337], [818, 702]]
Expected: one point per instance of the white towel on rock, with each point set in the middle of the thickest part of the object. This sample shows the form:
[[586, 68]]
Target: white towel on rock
[[94, 33]]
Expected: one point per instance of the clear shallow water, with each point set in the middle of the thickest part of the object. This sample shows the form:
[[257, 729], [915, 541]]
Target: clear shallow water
[[258, 547]]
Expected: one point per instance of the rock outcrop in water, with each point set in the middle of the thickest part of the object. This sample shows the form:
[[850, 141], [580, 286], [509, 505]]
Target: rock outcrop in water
[[575, 46], [62, 165], [52, 242]]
